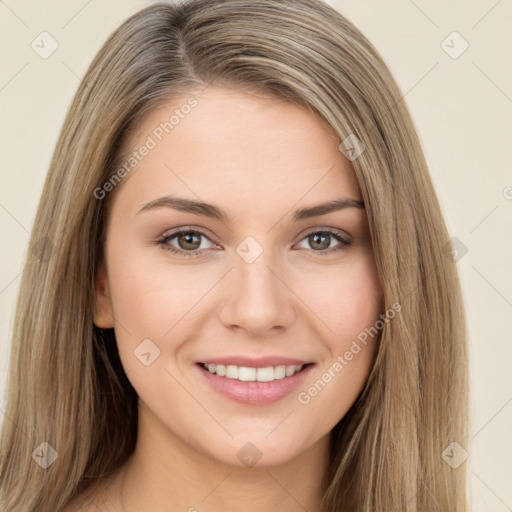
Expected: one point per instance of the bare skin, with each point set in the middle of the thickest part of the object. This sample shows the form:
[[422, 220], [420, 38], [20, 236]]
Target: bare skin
[[259, 159]]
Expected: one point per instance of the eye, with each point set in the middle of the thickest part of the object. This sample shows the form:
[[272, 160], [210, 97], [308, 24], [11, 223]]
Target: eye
[[188, 240], [321, 241]]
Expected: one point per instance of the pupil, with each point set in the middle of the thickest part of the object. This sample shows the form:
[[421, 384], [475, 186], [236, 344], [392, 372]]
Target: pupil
[[186, 237], [317, 236]]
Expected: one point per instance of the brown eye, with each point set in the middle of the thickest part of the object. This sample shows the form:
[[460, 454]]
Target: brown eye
[[185, 242], [320, 242], [189, 240]]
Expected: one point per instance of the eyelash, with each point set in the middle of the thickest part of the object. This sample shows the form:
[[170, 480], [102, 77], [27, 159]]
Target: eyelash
[[163, 242]]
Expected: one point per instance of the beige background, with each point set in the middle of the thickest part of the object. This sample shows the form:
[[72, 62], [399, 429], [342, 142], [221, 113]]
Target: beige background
[[463, 110]]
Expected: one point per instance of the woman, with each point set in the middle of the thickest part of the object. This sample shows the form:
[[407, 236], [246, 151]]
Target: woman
[[239, 295]]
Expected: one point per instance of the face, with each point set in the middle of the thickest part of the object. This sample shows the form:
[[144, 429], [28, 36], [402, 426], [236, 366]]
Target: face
[[235, 321]]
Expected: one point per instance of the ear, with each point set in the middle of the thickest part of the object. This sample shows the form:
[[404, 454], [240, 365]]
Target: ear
[[103, 315]]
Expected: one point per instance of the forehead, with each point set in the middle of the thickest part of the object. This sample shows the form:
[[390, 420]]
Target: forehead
[[236, 148]]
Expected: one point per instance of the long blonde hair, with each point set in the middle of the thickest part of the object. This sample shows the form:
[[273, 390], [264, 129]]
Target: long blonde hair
[[66, 385]]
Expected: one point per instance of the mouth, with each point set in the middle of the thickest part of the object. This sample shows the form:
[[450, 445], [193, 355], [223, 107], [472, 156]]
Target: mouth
[[254, 385], [253, 374]]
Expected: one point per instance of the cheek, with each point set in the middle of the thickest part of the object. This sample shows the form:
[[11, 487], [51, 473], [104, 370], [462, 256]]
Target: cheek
[[150, 299], [157, 301], [349, 302], [150, 295], [345, 299], [136, 291]]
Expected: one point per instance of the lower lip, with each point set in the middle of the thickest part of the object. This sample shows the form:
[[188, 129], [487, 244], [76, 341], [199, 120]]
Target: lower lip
[[255, 393]]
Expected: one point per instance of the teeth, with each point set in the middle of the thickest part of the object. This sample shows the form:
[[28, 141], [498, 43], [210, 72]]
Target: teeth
[[231, 371], [280, 372], [265, 374], [248, 374], [290, 370]]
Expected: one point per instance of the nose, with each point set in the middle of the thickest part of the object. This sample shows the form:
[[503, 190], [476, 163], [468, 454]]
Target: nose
[[257, 299]]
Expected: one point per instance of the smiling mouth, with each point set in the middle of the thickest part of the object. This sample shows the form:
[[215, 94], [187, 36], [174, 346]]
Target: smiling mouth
[[251, 374]]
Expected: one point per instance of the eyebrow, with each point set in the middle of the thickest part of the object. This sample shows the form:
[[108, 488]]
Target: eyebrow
[[214, 212]]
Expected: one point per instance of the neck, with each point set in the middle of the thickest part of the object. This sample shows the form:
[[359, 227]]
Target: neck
[[166, 474]]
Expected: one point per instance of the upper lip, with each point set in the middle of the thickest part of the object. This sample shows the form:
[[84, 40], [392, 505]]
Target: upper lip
[[255, 362]]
